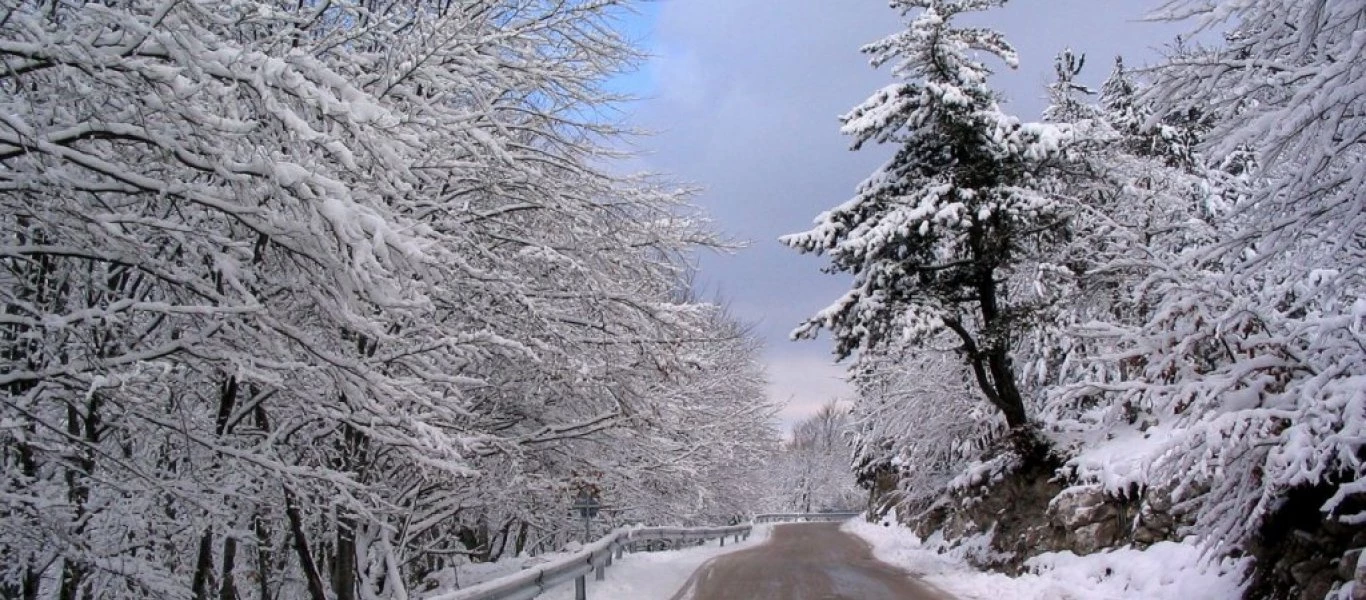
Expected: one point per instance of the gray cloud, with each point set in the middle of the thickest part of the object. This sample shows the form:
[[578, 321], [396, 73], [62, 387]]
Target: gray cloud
[[746, 96]]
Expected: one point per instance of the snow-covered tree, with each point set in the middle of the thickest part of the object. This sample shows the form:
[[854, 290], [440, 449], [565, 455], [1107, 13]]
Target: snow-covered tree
[[934, 235], [813, 466], [298, 299], [1252, 347], [1225, 241], [918, 420]]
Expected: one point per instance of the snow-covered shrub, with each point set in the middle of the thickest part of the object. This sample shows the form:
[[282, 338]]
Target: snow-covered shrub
[[1238, 363], [916, 415]]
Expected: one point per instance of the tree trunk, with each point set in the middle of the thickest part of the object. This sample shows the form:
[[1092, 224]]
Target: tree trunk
[[316, 590], [353, 450], [86, 428], [504, 534], [1011, 403], [263, 556], [227, 400], [994, 335], [228, 591], [521, 539], [264, 553], [203, 568], [344, 565]]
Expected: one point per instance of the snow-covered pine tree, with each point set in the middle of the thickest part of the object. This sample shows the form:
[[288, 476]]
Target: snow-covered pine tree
[[932, 235]]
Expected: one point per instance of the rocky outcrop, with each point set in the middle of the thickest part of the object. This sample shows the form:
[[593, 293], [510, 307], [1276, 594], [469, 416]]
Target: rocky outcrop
[[1030, 511], [1303, 554], [1084, 520], [1358, 575], [1299, 554]]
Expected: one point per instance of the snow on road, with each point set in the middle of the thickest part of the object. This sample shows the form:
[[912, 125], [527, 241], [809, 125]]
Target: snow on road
[[1165, 571], [654, 575]]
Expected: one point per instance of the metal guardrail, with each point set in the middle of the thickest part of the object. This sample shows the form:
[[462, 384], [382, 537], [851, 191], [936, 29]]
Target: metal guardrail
[[824, 516], [596, 556]]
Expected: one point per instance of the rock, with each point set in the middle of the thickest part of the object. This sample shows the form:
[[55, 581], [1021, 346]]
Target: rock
[[1094, 537], [1302, 572], [1148, 536], [1157, 503], [1318, 585], [1359, 580], [1347, 565], [1079, 507]]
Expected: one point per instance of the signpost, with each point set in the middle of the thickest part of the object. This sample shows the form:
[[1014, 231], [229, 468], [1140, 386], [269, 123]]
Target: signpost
[[586, 502]]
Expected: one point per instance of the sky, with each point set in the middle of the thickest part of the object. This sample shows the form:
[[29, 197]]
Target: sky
[[744, 98]]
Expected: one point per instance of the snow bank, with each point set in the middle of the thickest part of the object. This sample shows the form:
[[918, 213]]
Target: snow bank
[[655, 575], [1164, 571], [468, 574]]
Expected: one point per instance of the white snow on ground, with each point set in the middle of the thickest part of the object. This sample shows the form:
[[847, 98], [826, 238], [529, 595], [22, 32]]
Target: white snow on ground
[[654, 575], [470, 574], [1164, 571]]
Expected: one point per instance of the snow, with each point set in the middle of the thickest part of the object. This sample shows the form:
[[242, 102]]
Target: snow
[[1164, 571], [655, 575], [637, 576]]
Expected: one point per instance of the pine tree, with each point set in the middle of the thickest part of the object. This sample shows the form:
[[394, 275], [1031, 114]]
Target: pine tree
[[932, 236]]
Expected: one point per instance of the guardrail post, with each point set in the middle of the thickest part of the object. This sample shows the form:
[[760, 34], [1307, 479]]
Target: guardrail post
[[600, 573], [580, 588]]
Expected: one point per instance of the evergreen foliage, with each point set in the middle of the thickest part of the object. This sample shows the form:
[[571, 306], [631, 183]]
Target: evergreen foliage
[[934, 235]]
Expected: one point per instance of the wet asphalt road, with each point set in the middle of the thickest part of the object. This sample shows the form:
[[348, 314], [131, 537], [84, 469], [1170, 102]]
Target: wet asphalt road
[[804, 561]]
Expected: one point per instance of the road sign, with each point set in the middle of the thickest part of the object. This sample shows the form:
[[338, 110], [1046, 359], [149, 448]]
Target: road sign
[[586, 503]]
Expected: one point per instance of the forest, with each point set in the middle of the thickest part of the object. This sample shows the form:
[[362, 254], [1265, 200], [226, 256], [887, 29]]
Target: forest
[[1139, 320], [315, 300]]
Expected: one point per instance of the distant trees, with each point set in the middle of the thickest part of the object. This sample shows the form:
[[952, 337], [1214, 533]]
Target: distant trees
[[315, 299], [934, 236], [812, 469]]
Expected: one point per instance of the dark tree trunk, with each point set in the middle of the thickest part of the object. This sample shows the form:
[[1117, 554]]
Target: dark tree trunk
[[1011, 403], [316, 590], [352, 451], [503, 536], [264, 553], [86, 428], [228, 591], [263, 556], [521, 539], [227, 400], [344, 565], [990, 351], [203, 567]]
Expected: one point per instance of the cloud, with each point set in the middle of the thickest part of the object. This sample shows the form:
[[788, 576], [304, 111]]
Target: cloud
[[804, 383]]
